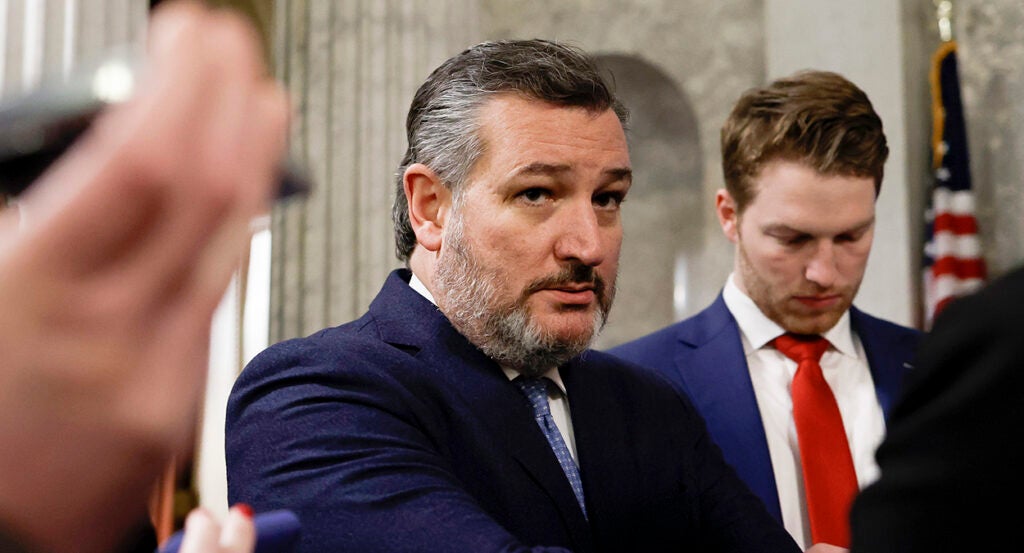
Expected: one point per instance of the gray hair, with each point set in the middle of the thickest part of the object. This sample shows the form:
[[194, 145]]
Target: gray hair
[[442, 125]]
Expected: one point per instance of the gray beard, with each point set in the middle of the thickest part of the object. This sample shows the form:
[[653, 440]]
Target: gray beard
[[470, 297]]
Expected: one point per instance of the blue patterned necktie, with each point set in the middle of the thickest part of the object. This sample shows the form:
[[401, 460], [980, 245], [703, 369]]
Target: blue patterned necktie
[[536, 390]]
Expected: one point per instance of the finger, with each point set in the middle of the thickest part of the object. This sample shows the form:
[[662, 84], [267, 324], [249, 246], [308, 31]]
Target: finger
[[177, 181], [266, 130], [166, 21], [239, 533], [201, 533], [270, 145], [217, 173]]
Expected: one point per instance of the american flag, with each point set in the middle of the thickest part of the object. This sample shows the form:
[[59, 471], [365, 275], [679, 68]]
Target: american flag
[[953, 263]]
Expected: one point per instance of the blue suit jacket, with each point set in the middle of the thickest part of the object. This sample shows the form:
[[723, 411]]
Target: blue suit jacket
[[393, 433], [703, 356]]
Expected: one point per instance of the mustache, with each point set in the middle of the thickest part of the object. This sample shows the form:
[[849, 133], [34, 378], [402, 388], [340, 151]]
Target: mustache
[[572, 274]]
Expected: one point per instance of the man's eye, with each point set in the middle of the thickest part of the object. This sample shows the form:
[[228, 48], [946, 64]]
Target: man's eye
[[794, 240], [534, 195], [609, 200]]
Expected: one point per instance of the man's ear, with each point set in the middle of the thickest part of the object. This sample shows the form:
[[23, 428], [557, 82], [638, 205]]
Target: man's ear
[[728, 217], [429, 203]]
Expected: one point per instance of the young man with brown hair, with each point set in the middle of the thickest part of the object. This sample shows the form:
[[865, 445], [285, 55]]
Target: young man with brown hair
[[803, 162]]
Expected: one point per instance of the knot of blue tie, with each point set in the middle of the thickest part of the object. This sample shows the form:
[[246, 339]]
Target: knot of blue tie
[[536, 390]]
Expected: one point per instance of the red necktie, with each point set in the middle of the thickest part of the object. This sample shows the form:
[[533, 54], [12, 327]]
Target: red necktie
[[830, 481]]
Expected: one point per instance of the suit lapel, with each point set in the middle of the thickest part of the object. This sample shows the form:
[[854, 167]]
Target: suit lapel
[[505, 411], [610, 473], [408, 320], [713, 368], [885, 358]]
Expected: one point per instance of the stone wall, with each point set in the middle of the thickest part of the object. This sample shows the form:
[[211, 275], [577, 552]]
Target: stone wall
[[990, 36], [352, 67]]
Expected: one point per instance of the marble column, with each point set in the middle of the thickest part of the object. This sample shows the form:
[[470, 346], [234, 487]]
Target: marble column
[[351, 67]]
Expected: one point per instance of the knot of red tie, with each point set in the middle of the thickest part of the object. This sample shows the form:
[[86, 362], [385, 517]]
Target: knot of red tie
[[801, 347]]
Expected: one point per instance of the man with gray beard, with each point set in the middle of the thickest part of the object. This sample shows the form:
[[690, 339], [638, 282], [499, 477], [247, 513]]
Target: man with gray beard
[[463, 411], [500, 328]]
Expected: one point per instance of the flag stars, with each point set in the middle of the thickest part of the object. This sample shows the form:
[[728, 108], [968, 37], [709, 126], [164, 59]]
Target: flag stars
[[942, 174]]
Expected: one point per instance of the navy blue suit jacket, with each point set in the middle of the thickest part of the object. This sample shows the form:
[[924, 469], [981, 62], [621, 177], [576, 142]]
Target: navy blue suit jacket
[[393, 433], [703, 356]]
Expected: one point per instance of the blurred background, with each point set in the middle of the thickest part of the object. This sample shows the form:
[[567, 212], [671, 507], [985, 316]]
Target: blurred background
[[353, 65]]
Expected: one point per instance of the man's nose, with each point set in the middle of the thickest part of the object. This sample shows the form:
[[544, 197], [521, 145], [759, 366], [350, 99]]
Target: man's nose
[[580, 236], [821, 268]]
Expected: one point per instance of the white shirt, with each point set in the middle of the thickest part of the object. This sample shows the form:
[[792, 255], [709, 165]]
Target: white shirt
[[845, 368], [558, 400]]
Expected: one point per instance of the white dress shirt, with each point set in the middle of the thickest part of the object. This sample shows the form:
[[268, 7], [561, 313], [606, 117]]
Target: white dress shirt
[[557, 399], [845, 368]]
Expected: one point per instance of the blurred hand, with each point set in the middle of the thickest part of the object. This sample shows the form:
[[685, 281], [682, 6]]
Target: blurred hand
[[204, 535], [108, 287]]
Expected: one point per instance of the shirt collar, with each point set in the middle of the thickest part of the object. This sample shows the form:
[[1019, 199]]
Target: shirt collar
[[552, 375], [418, 285], [759, 330]]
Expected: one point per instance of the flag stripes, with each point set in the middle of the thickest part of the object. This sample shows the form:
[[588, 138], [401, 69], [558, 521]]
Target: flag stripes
[[953, 261]]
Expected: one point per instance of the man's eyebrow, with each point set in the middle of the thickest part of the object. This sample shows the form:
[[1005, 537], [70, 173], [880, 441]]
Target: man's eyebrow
[[780, 228], [540, 168], [621, 173]]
